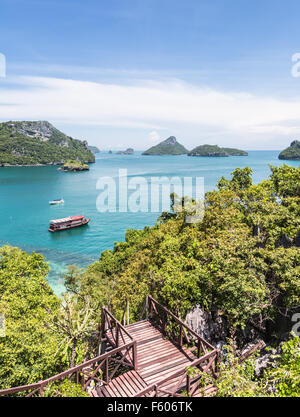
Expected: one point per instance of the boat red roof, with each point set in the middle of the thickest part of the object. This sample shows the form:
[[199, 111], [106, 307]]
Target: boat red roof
[[67, 219], [77, 217]]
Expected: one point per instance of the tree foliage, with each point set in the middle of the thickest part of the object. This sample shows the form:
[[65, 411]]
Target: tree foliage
[[27, 352], [242, 260], [233, 260]]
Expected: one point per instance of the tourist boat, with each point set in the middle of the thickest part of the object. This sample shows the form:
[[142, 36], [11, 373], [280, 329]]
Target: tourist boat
[[59, 201], [67, 223]]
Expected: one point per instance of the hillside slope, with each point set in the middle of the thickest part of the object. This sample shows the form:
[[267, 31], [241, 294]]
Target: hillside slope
[[39, 143], [291, 153], [169, 146], [216, 151]]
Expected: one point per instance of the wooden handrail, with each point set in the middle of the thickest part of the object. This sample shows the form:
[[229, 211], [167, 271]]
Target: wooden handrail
[[66, 373], [117, 322], [119, 326], [176, 374], [181, 322]]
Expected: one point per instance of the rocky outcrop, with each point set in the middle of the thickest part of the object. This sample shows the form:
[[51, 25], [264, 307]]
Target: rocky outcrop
[[297, 240], [284, 241], [169, 146], [212, 326], [73, 166], [292, 153], [216, 151], [39, 143], [129, 151], [40, 129], [94, 149]]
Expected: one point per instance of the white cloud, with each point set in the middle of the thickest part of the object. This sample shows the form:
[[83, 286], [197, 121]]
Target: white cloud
[[149, 105], [154, 136]]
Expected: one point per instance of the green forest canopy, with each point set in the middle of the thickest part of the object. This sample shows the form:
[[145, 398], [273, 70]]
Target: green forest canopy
[[242, 259]]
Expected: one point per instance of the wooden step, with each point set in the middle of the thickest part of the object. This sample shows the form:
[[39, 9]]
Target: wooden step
[[125, 385]]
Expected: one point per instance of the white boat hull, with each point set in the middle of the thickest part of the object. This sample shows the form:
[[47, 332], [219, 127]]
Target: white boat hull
[[56, 202]]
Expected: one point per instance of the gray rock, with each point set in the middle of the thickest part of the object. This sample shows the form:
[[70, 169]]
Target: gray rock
[[211, 326], [129, 151], [284, 241], [297, 240], [250, 345], [262, 363]]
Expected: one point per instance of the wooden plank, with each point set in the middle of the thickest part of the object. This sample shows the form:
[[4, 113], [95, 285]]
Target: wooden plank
[[155, 341], [157, 347], [109, 391], [154, 348], [146, 374], [160, 367], [137, 323], [156, 379], [123, 386], [135, 380], [131, 384], [163, 358], [143, 330], [165, 353], [157, 354], [114, 385], [148, 334], [142, 327]]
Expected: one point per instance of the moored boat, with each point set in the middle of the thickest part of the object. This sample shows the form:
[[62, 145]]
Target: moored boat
[[59, 201], [67, 223]]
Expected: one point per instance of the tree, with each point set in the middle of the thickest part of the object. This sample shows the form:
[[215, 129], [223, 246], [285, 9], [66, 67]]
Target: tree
[[74, 324], [232, 260], [27, 352], [285, 376]]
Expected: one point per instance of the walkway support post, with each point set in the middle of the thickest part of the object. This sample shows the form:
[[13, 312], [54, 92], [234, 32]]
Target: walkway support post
[[135, 361], [147, 307], [127, 312]]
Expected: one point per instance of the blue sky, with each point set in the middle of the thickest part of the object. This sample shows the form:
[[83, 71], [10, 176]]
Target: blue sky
[[132, 72]]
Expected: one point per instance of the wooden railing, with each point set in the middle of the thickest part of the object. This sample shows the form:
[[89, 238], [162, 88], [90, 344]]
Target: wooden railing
[[116, 334], [100, 369], [185, 384], [175, 329]]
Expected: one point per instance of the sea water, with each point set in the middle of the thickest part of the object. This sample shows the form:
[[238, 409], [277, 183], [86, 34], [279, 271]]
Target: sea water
[[25, 193]]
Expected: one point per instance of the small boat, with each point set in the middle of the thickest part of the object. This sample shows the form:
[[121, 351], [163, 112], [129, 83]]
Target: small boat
[[59, 201], [67, 223]]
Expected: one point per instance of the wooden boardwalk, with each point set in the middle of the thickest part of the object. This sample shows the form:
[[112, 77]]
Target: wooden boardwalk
[[160, 359], [148, 358], [157, 359]]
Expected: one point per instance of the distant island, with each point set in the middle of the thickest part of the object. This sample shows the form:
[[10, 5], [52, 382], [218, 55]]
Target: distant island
[[291, 153], [129, 151], [74, 166], [169, 146], [216, 151], [39, 143], [94, 149]]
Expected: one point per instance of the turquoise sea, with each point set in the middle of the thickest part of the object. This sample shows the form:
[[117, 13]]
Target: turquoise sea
[[26, 191]]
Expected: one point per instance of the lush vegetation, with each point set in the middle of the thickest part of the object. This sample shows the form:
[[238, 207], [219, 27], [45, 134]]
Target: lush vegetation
[[292, 152], [33, 143], [43, 335], [235, 152], [232, 262], [27, 352], [281, 379], [94, 149], [169, 146], [128, 151], [74, 166], [216, 151]]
